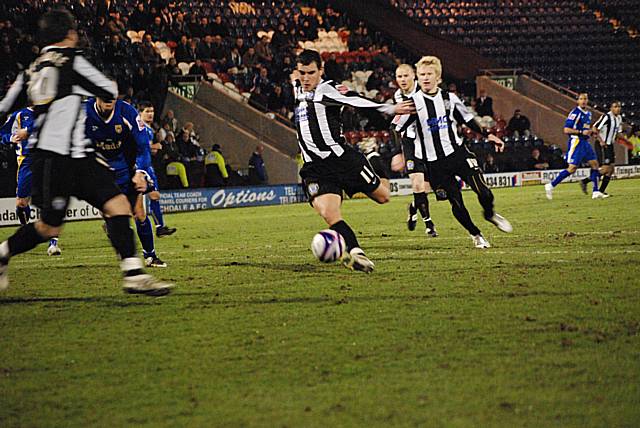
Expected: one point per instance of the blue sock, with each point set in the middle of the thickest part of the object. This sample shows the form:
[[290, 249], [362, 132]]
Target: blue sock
[[145, 233], [595, 175], [23, 214], [156, 212], [563, 174]]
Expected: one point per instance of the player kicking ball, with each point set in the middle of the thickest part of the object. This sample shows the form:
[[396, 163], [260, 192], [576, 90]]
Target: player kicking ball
[[578, 128], [332, 165]]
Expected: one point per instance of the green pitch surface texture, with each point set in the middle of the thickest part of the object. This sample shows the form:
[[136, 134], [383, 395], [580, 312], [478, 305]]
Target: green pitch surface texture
[[543, 329]]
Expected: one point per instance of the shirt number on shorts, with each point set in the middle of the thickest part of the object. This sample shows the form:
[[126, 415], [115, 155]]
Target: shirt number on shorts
[[367, 174]]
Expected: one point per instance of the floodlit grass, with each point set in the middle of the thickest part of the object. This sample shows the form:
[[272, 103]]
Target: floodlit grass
[[540, 330]]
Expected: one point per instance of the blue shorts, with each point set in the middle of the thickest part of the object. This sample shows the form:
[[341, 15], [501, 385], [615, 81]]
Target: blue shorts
[[152, 174], [24, 179], [579, 151]]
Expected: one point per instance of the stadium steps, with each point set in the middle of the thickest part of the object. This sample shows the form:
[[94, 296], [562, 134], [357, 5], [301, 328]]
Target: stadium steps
[[237, 142]]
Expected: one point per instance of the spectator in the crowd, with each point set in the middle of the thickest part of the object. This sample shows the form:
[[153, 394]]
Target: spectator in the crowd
[[490, 164], [277, 101], [556, 160], [179, 28], [262, 81], [187, 148], [536, 161], [519, 125], [484, 104], [183, 52], [205, 48], [218, 51], [280, 39], [170, 119], [157, 29], [218, 28], [197, 69], [263, 50], [235, 62], [257, 169], [453, 88], [239, 43], [333, 70], [150, 54], [250, 58], [257, 99], [140, 19], [216, 174]]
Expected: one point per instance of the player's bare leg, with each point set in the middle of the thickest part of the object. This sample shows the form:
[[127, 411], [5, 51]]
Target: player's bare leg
[[328, 206]]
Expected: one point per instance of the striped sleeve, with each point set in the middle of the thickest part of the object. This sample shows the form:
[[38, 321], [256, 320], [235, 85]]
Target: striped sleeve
[[458, 106], [602, 122], [340, 95], [403, 122], [92, 81], [16, 97]]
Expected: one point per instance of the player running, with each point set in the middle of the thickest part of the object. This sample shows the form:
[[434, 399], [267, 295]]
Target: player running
[[331, 165], [578, 128], [413, 158], [16, 130], [147, 113], [438, 114], [607, 130], [118, 133]]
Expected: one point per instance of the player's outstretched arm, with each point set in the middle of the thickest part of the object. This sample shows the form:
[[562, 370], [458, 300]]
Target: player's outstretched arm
[[339, 95]]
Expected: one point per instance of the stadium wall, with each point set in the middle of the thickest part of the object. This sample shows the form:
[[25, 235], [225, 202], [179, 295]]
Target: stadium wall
[[237, 144], [215, 99], [546, 108], [217, 198]]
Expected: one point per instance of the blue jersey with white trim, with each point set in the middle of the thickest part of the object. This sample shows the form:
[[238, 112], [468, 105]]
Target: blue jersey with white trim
[[121, 138], [578, 119], [21, 119]]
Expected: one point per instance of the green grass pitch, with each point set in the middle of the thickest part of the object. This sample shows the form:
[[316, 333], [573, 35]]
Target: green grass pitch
[[541, 330]]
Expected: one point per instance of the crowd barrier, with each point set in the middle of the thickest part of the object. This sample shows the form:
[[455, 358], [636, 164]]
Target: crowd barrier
[[235, 197]]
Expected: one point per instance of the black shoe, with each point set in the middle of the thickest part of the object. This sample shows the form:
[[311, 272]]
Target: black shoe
[[431, 229], [165, 231], [155, 262], [583, 187], [412, 218]]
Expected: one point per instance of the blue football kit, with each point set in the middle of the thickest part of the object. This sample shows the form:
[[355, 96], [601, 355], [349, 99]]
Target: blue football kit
[[579, 149]]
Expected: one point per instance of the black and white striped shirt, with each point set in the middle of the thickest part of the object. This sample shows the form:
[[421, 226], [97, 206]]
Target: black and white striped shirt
[[436, 120], [609, 126], [55, 85], [318, 118], [399, 97]]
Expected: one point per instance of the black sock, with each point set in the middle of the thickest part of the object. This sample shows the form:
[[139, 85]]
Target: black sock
[[376, 163], [461, 213], [605, 183], [586, 180], [347, 233], [121, 236], [412, 207], [25, 239], [422, 203]]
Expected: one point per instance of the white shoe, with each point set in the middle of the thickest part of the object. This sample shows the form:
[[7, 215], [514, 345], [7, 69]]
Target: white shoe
[[356, 260], [501, 223], [480, 242], [146, 284], [599, 195], [4, 276], [548, 188], [54, 250]]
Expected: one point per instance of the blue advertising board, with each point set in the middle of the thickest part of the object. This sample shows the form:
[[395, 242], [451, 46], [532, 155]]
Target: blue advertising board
[[230, 197]]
